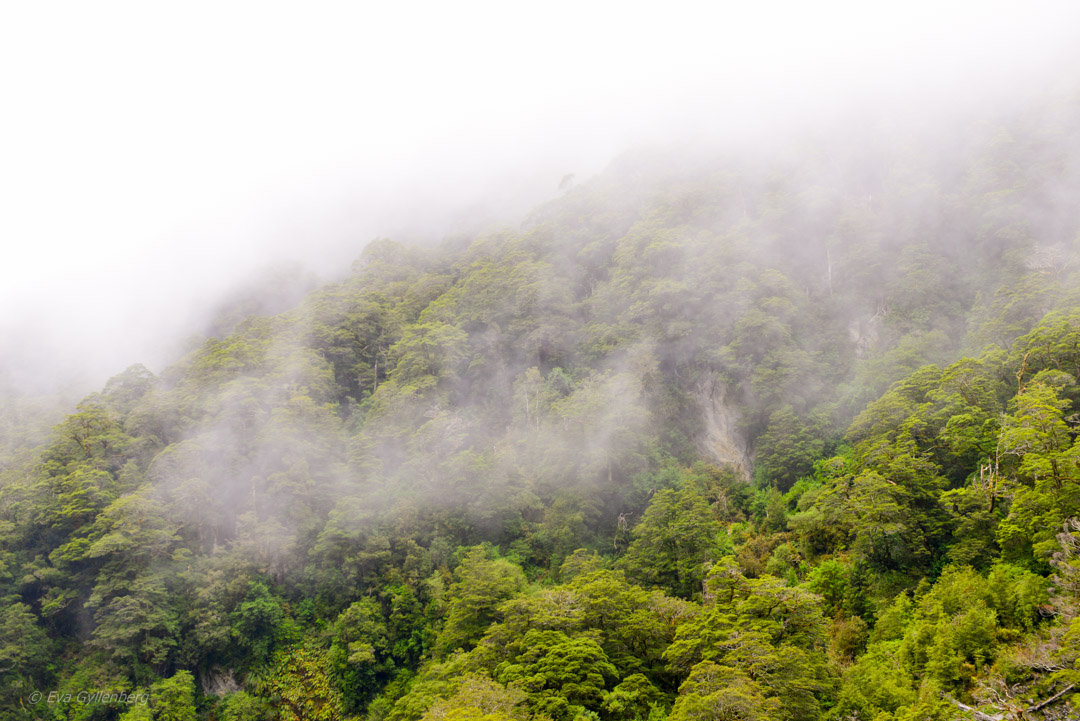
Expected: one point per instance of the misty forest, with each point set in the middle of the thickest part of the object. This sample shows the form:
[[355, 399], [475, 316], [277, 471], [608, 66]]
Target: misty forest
[[785, 434]]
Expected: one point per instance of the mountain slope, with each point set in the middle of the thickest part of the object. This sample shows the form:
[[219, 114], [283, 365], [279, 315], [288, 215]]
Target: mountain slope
[[715, 372]]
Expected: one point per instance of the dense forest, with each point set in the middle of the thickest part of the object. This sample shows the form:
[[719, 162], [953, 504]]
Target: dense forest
[[785, 435]]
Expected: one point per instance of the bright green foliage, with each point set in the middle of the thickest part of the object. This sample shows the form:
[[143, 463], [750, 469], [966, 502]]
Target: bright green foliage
[[558, 673], [256, 624], [138, 624], [830, 581], [941, 640], [361, 652], [773, 633], [673, 544], [242, 706], [789, 446], [632, 698], [721, 437], [173, 699], [1019, 596], [480, 699], [138, 712], [725, 694], [24, 647], [628, 629], [1037, 434], [953, 632], [876, 684], [301, 687], [427, 352], [481, 584]]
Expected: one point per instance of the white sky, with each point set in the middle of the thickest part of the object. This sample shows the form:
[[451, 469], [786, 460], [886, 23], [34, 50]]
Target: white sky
[[152, 154]]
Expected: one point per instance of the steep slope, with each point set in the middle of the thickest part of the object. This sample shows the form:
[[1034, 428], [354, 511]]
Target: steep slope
[[612, 376]]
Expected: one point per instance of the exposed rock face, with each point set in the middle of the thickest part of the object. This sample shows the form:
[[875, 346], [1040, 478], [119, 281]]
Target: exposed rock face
[[721, 441], [218, 682], [863, 333]]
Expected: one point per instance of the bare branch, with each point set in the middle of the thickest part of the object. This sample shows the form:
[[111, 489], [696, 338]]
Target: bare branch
[[1052, 699], [979, 715]]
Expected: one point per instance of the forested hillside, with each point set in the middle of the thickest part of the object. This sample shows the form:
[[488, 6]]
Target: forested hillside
[[747, 435]]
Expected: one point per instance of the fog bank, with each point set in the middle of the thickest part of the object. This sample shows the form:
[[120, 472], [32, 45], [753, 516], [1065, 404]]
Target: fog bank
[[155, 159]]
